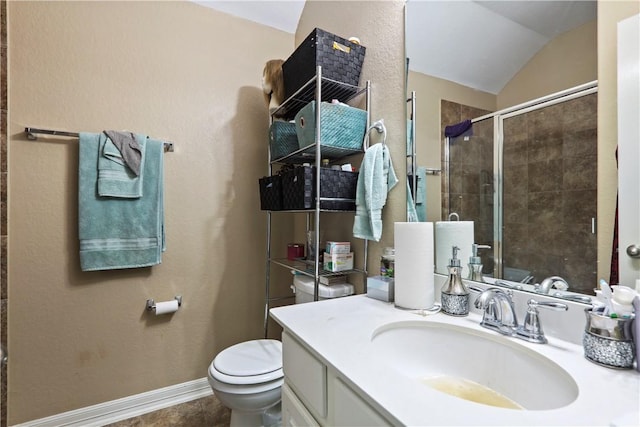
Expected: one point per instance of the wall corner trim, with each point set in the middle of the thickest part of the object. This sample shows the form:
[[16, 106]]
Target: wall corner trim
[[127, 407]]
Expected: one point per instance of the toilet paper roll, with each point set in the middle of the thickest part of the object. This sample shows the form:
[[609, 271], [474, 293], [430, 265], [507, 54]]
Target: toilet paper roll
[[166, 307], [449, 234], [414, 265]]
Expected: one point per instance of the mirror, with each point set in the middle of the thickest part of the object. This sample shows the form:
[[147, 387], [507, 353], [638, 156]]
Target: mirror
[[470, 58]]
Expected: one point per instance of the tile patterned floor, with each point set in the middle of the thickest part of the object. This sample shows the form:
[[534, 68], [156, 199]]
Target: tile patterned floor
[[205, 412]]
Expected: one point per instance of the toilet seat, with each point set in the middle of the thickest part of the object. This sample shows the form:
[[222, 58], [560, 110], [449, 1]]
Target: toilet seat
[[250, 362]]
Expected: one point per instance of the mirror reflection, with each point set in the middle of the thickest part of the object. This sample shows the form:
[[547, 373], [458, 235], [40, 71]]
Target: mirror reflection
[[546, 222], [526, 178]]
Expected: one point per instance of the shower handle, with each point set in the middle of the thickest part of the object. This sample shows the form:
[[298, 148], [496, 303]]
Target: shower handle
[[633, 251]]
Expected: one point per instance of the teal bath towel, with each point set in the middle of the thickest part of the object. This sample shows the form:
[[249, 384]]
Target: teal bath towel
[[421, 197], [115, 178], [375, 179], [115, 232], [412, 215]]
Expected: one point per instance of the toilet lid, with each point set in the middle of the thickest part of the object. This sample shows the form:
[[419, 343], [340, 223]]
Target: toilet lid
[[250, 358]]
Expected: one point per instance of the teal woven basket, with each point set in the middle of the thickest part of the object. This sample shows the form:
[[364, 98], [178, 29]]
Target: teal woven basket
[[341, 126], [283, 139]]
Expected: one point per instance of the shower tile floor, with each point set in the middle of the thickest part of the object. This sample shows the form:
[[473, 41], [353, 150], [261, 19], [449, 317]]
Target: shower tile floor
[[205, 412]]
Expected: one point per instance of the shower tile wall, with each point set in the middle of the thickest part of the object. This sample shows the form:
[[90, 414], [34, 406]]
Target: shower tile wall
[[550, 189], [471, 174]]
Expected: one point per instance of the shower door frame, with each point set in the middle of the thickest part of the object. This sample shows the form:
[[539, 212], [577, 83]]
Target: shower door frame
[[498, 118]]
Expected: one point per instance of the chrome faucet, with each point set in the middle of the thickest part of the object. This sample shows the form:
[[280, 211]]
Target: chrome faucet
[[552, 282], [500, 316]]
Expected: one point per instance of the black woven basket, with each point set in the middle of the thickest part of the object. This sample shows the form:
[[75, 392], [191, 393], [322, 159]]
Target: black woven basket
[[298, 188], [271, 193], [341, 60]]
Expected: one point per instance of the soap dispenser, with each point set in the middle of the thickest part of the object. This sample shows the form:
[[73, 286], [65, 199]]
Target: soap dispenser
[[475, 263], [455, 295]]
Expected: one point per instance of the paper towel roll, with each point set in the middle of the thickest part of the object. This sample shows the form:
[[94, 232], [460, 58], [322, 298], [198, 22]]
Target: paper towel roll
[[414, 264], [449, 234], [166, 307]]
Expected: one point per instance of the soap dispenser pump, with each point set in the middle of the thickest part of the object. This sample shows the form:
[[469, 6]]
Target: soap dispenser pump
[[455, 295], [475, 263]]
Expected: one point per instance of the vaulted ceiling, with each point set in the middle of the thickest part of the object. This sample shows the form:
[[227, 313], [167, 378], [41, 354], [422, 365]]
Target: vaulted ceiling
[[477, 43]]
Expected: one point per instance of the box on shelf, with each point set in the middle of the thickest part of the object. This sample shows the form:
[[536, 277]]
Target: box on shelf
[[295, 251], [338, 262], [333, 280], [380, 287], [338, 247], [270, 193], [283, 139], [303, 286], [298, 188], [341, 126], [340, 59]]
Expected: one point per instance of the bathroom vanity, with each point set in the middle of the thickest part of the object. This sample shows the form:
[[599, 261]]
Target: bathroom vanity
[[359, 361]]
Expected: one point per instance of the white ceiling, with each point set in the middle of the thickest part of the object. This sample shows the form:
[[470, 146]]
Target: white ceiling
[[283, 15], [479, 44], [483, 44]]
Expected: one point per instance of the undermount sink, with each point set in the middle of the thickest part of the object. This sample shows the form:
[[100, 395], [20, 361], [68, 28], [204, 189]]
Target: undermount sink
[[474, 365]]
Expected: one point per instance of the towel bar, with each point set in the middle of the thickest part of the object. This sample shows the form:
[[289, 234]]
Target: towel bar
[[32, 135], [378, 126]]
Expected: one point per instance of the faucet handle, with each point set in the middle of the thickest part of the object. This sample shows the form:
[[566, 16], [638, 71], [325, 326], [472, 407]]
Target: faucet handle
[[531, 329]]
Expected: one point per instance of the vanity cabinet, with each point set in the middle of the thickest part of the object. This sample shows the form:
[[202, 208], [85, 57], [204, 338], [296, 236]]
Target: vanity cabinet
[[294, 413], [315, 395], [317, 89]]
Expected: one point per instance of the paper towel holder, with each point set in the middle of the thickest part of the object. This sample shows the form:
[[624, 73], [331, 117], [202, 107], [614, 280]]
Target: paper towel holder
[[151, 304]]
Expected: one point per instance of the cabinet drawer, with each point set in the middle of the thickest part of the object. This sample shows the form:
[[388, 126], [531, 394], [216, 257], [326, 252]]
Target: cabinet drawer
[[306, 374], [294, 413], [351, 410]]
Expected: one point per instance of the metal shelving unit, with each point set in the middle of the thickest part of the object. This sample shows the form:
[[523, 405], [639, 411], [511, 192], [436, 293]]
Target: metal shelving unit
[[326, 90]]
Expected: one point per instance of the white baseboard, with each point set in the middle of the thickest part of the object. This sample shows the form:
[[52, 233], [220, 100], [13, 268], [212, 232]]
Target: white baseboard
[[127, 407]]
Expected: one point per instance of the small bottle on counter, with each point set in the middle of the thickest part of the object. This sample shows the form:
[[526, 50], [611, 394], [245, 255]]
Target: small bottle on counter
[[387, 262], [455, 295]]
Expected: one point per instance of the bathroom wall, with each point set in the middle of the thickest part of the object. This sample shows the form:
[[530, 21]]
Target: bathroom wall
[[568, 60], [190, 75], [380, 27], [175, 70]]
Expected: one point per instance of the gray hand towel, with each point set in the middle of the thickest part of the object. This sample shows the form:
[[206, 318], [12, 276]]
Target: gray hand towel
[[129, 148]]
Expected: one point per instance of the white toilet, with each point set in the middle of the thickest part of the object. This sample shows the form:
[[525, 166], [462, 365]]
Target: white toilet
[[247, 378]]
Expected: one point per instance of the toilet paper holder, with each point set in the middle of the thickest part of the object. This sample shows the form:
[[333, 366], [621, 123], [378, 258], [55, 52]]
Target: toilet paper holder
[[151, 304]]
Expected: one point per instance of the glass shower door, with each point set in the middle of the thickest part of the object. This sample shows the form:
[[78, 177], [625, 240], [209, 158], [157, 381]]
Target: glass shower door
[[470, 178], [549, 193]]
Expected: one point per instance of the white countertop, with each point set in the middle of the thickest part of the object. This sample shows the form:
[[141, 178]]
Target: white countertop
[[339, 332]]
